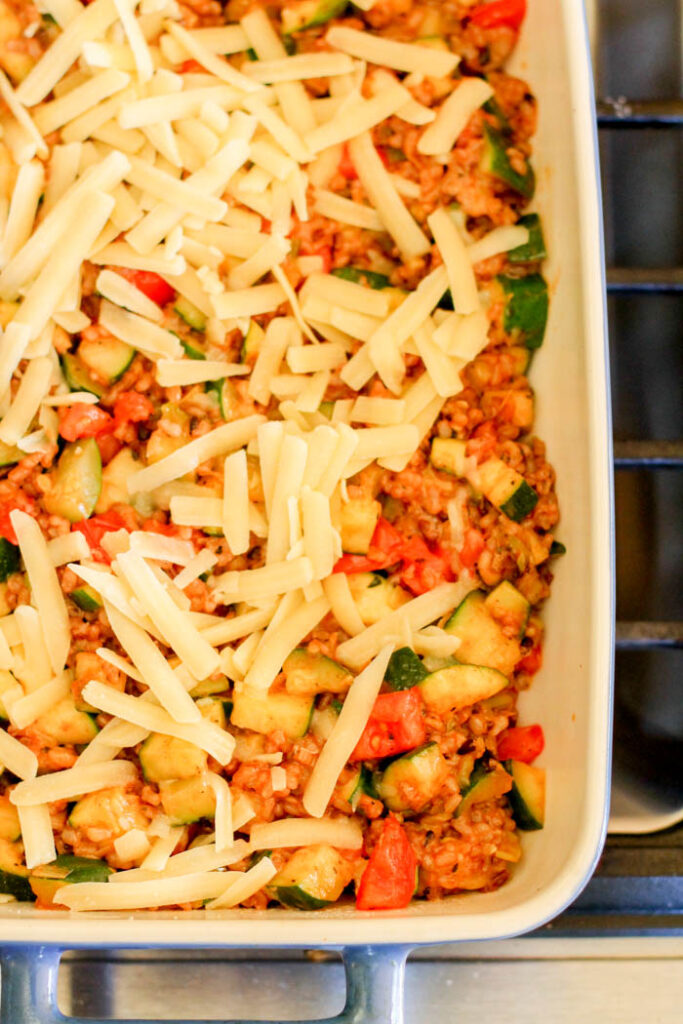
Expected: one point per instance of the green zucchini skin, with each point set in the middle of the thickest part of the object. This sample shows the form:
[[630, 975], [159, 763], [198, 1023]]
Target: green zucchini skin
[[404, 670], [78, 377], [106, 358], [13, 873], [9, 559], [189, 313], [86, 599], [527, 796], [534, 250], [360, 276], [77, 481], [448, 455], [496, 162], [526, 307], [310, 14]]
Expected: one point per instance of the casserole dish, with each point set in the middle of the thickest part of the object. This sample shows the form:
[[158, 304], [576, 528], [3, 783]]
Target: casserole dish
[[573, 693]]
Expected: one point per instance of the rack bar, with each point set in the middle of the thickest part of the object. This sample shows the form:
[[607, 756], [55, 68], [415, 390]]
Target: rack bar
[[624, 113], [640, 636], [659, 280], [648, 454]]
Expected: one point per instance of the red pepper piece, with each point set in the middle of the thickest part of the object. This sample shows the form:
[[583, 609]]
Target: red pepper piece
[[523, 743], [395, 725], [82, 420], [388, 881], [502, 12]]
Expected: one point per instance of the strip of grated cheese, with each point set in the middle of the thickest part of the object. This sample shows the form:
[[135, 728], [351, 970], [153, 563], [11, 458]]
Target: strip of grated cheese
[[235, 511], [72, 782], [501, 239], [137, 711], [382, 194], [17, 758], [45, 586], [411, 57], [343, 833], [219, 441], [36, 835], [264, 583], [33, 388], [279, 641], [348, 728], [193, 888], [245, 886], [454, 115], [24, 711]]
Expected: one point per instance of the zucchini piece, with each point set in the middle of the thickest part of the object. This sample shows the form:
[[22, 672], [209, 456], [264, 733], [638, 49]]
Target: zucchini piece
[[192, 351], [253, 339], [312, 878], [404, 670], [534, 250], [78, 377], [9, 455], [225, 394], [10, 829], [87, 599], [115, 477], [323, 721], [527, 796], [113, 810], [307, 674], [509, 607], [214, 711], [7, 681], [358, 520], [310, 13], [412, 781], [375, 596], [326, 409], [482, 640], [268, 712], [360, 276], [13, 872], [448, 455], [46, 880], [360, 783], [208, 687], [9, 559], [77, 481], [163, 758], [460, 686], [66, 725], [107, 359], [483, 785], [189, 313], [526, 307], [187, 800], [506, 489], [557, 548], [495, 161]]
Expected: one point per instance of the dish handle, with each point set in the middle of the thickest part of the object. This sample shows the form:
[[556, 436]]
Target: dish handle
[[374, 987]]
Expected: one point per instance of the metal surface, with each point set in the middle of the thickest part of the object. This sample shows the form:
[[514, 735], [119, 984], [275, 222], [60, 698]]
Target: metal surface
[[658, 280], [625, 113], [30, 975], [637, 636], [648, 454]]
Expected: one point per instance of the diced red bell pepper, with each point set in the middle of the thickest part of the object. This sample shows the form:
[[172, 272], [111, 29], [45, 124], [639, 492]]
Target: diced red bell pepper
[[523, 743], [388, 881], [155, 526], [95, 528], [150, 284], [82, 420], [8, 503], [132, 407], [190, 67], [346, 165], [501, 12], [396, 724], [473, 546], [385, 550], [531, 662], [423, 569]]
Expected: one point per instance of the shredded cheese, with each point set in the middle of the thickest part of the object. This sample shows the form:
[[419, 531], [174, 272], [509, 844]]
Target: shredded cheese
[[17, 758], [246, 885], [422, 60], [193, 888], [235, 511], [347, 731], [344, 833], [37, 835], [72, 782], [453, 116]]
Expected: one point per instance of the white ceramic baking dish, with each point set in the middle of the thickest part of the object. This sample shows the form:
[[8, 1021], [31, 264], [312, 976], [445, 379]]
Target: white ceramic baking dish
[[572, 694]]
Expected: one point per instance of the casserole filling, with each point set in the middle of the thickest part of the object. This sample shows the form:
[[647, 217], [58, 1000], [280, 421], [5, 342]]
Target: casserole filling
[[275, 527]]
